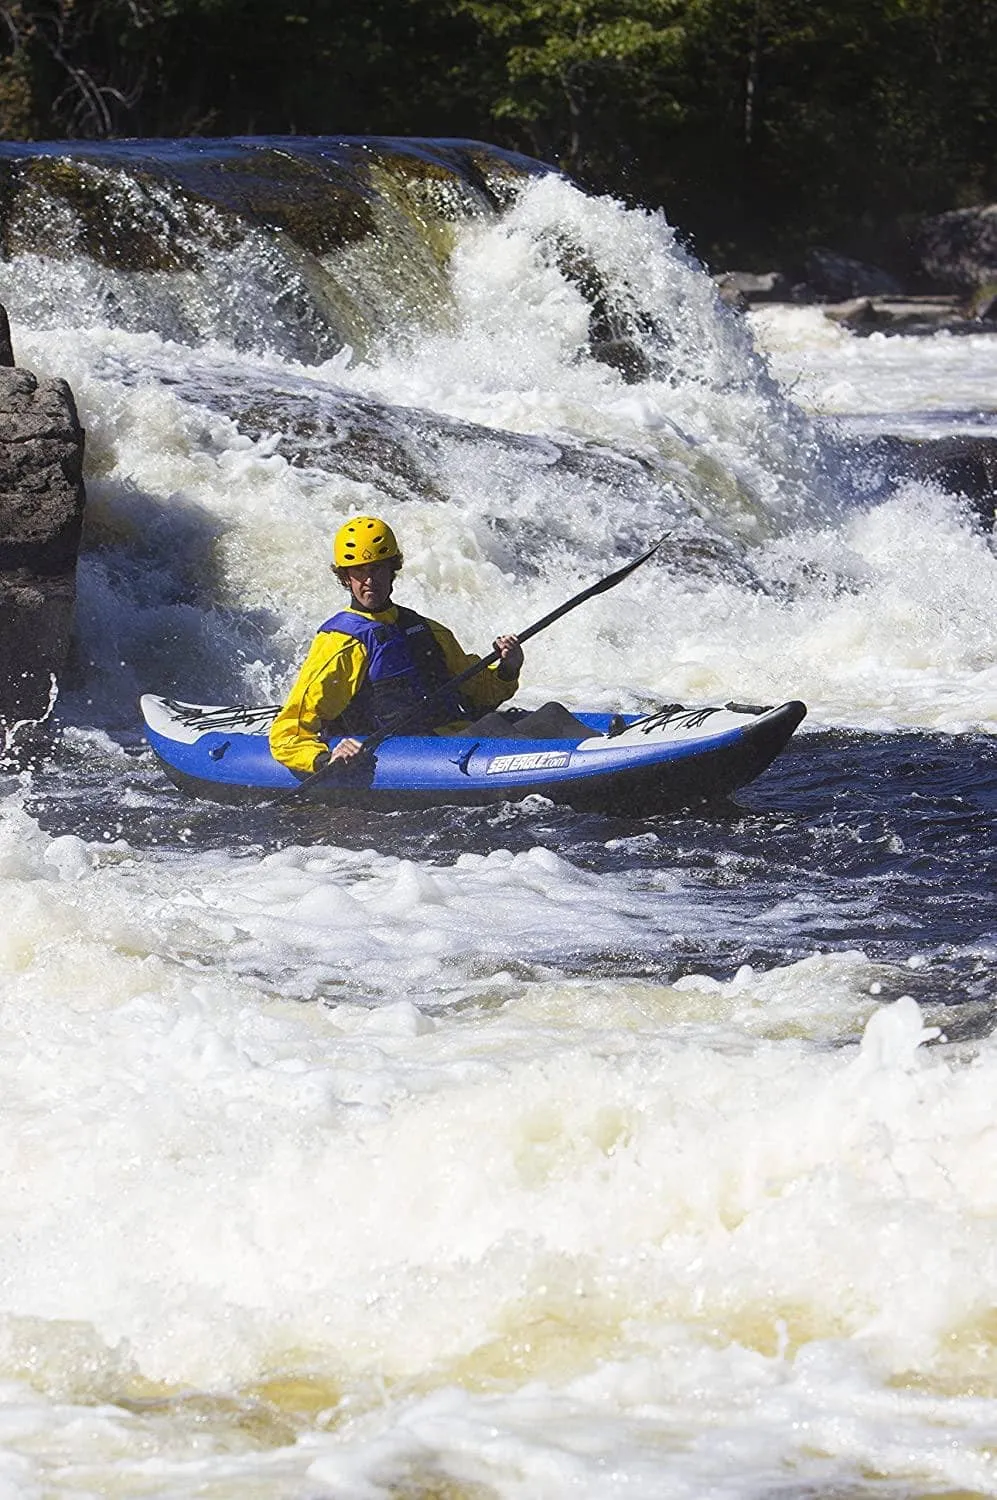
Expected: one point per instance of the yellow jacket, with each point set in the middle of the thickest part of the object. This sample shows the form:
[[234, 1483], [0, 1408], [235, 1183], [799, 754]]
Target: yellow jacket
[[334, 669]]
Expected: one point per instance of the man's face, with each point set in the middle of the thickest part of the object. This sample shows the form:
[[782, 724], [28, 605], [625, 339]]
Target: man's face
[[370, 583]]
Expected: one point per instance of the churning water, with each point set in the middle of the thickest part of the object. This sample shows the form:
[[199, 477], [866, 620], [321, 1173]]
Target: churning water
[[501, 1152]]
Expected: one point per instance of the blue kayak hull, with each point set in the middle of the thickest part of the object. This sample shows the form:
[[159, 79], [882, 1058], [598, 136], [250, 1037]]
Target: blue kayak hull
[[675, 758]]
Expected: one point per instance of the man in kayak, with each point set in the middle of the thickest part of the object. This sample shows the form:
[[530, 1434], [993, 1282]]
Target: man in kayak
[[376, 660]]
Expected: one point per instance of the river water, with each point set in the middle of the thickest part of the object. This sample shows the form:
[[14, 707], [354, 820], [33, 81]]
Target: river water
[[508, 1152]]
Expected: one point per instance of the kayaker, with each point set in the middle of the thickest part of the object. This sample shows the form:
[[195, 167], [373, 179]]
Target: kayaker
[[375, 660]]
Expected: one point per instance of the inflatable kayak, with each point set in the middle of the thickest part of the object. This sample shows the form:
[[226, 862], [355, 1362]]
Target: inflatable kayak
[[616, 763]]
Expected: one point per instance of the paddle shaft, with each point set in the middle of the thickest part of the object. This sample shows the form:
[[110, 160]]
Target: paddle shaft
[[413, 716]]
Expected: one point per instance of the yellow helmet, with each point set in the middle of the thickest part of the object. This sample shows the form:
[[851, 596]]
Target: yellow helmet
[[364, 539]]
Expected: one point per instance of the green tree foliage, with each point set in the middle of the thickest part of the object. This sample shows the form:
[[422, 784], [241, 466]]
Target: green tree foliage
[[845, 113], [761, 121], [565, 70], [73, 67], [759, 124], [97, 68]]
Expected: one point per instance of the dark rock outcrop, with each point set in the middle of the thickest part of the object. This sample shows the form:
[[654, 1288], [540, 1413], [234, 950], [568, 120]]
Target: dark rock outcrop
[[958, 250], [6, 347], [624, 355], [41, 517], [961, 465], [614, 331], [839, 277]]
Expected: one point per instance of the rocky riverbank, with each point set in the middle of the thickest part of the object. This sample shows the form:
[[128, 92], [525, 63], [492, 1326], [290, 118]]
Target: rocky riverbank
[[946, 283], [946, 279], [42, 500]]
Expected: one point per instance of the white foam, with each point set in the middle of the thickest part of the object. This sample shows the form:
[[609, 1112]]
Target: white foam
[[927, 386], [600, 1220]]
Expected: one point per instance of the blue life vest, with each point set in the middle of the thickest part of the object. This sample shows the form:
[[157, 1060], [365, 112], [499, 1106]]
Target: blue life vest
[[405, 663]]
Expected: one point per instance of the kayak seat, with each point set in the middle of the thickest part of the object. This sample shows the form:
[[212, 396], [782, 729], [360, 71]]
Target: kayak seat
[[552, 721]]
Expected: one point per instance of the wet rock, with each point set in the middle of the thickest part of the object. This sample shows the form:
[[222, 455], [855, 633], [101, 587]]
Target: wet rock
[[899, 314], [960, 465], [958, 250], [345, 230], [622, 355], [41, 517], [840, 277], [964, 466], [857, 313], [6, 347], [745, 288], [982, 305], [615, 329]]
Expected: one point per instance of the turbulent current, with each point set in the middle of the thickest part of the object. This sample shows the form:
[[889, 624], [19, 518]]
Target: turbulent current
[[505, 1152]]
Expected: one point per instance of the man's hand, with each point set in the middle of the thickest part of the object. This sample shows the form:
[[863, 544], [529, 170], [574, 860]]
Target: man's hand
[[511, 652], [345, 750]]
